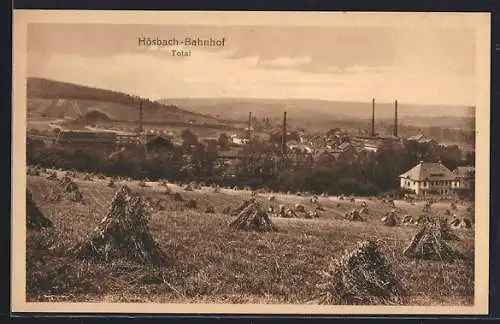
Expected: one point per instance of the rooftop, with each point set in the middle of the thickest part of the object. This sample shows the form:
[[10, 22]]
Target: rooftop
[[429, 171], [465, 171]]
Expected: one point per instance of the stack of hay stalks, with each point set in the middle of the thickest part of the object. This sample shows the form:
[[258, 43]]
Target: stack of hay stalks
[[354, 215], [288, 213], [460, 223], [70, 188], [191, 204], [253, 218], [361, 277], [87, 177], [52, 176], [34, 217], [391, 218], [312, 214], [210, 209], [428, 243], [123, 233]]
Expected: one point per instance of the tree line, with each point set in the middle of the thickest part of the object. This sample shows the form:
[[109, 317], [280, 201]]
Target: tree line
[[258, 164]]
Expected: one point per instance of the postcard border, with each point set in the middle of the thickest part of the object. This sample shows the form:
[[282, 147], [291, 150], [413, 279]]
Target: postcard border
[[481, 21]]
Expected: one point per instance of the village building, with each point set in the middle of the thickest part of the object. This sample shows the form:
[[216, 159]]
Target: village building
[[430, 179], [85, 137], [300, 148], [466, 176], [159, 144], [421, 139], [238, 140]]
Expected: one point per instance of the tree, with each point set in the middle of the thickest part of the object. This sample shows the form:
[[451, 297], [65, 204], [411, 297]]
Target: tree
[[332, 131], [224, 141], [188, 138]]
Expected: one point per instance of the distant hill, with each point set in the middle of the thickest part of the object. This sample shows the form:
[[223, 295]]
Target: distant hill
[[56, 99], [320, 112]]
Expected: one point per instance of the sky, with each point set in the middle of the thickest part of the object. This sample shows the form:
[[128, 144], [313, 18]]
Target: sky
[[418, 65]]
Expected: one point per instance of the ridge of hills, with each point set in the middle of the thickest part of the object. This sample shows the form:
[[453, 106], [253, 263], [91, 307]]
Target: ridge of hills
[[312, 111], [55, 99]]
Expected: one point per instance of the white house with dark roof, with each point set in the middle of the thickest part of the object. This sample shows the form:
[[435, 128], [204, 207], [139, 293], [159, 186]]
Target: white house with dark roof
[[430, 179]]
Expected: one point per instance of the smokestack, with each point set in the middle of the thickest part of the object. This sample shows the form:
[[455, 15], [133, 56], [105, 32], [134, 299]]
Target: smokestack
[[140, 116], [283, 138], [373, 117], [396, 118], [249, 126]]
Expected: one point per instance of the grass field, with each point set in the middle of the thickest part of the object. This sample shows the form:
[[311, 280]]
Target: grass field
[[211, 263]]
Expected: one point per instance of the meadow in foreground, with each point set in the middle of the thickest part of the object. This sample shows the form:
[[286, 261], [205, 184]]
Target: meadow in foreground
[[208, 262]]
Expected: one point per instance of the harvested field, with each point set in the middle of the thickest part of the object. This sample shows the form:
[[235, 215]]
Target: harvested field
[[210, 262]]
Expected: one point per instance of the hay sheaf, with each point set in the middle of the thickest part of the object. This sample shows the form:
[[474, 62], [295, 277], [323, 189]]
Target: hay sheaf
[[390, 219], [354, 216], [361, 277], [123, 233], [429, 243], [34, 217], [253, 218], [71, 189]]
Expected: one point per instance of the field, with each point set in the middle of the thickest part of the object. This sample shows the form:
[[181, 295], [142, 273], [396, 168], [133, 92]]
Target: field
[[212, 263]]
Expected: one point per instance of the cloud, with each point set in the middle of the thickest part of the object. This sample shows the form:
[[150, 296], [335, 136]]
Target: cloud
[[286, 61], [157, 74]]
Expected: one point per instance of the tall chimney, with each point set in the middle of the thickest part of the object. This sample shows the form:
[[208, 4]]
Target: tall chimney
[[396, 118], [140, 116], [249, 126], [283, 138], [373, 117]]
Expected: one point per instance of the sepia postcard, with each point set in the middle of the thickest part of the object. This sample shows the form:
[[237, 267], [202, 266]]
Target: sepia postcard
[[250, 162]]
